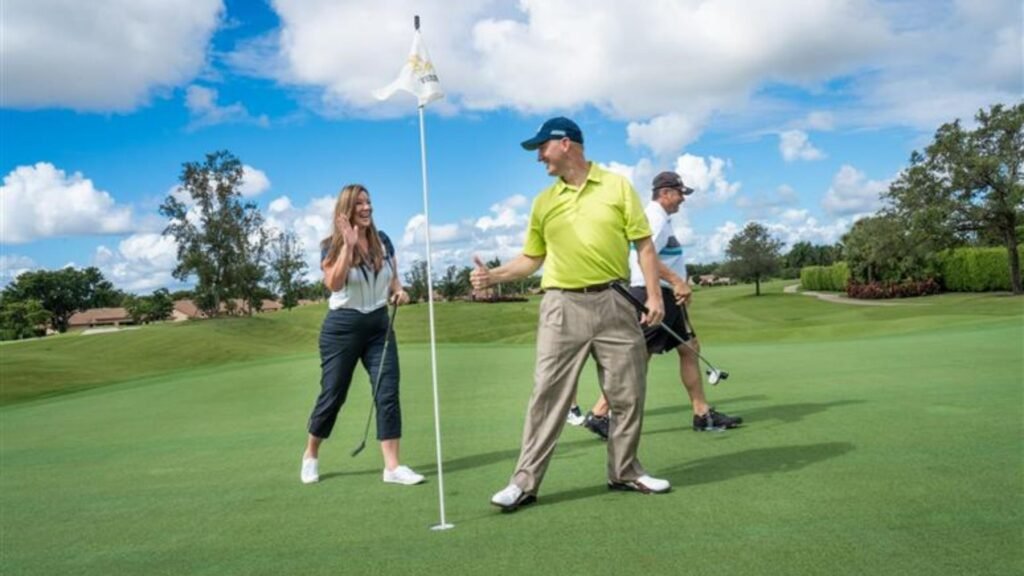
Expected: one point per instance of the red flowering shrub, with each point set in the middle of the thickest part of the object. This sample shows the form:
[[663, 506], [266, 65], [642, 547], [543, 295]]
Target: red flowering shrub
[[879, 290]]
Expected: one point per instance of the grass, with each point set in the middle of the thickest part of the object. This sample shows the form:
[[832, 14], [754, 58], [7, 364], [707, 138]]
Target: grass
[[878, 440], [72, 362]]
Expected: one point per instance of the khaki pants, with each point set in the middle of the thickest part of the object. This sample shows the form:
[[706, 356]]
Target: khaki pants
[[573, 326]]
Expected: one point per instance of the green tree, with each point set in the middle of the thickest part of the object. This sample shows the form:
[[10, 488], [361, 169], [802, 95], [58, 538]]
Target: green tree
[[967, 186], [22, 319], [882, 249], [287, 267], [416, 281], [63, 292], [182, 295], [695, 271], [454, 283], [753, 254], [154, 308], [220, 237]]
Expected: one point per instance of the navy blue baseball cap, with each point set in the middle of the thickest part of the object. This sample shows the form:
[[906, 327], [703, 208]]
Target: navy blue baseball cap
[[554, 129]]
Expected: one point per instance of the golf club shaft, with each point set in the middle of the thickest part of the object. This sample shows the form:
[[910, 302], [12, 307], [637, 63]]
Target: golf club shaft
[[376, 385], [643, 310]]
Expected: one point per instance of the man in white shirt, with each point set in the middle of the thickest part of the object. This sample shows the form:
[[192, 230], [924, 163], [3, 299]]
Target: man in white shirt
[[668, 195]]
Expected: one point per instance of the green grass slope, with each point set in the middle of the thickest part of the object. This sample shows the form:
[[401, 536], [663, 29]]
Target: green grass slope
[[75, 362]]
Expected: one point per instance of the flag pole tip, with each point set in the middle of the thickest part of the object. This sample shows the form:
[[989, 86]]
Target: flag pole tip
[[416, 21]]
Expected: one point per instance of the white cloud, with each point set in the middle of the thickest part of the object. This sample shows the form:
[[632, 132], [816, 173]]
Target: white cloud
[[664, 67], [102, 55], [254, 182], [310, 224], [203, 109], [925, 83], [795, 145], [13, 265], [707, 178], [819, 120], [712, 248], [768, 205], [507, 214], [799, 226], [665, 134], [499, 234], [141, 263], [852, 193], [41, 201]]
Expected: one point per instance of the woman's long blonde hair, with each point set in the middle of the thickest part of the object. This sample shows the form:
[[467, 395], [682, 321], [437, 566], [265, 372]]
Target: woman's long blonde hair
[[346, 205]]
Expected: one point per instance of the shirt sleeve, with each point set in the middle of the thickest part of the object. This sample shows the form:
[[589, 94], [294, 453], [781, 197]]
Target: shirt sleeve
[[656, 219], [535, 246], [637, 226]]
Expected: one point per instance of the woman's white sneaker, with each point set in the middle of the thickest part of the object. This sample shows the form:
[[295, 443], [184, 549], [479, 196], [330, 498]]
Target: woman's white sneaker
[[402, 475], [310, 472]]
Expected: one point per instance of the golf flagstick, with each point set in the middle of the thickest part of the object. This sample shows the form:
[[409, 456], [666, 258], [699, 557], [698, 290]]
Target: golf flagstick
[[714, 374], [376, 384], [419, 78]]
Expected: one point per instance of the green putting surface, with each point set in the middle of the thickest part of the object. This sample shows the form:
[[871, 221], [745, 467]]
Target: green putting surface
[[891, 445]]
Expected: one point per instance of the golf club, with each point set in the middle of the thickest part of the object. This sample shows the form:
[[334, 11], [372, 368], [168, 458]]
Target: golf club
[[376, 384], [714, 374]]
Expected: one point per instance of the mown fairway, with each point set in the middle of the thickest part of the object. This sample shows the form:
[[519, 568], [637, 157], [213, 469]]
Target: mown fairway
[[879, 440]]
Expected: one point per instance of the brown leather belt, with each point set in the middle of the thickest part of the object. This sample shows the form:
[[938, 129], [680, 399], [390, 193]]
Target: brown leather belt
[[586, 289]]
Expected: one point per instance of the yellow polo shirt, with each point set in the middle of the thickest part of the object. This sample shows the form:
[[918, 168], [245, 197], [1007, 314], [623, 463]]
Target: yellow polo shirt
[[584, 234]]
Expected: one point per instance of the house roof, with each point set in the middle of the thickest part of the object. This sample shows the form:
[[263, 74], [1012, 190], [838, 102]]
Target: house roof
[[98, 316]]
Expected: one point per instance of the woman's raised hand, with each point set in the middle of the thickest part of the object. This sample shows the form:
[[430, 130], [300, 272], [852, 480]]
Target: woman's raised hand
[[349, 233]]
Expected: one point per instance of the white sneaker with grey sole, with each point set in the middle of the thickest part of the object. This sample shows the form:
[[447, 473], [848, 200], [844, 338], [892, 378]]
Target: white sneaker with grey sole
[[510, 498], [310, 472], [644, 484], [575, 416], [402, 475]]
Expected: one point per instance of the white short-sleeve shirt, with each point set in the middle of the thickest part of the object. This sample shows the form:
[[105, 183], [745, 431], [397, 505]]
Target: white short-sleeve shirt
[[669, 250]]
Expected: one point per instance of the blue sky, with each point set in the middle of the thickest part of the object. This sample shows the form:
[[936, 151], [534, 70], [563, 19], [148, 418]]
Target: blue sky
[[793, 113]]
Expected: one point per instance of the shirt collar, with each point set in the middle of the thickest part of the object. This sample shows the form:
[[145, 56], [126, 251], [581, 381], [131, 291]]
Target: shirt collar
[[660, 208], [593, 175]]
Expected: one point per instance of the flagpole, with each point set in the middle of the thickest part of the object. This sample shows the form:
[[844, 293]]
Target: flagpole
[[443, 524]]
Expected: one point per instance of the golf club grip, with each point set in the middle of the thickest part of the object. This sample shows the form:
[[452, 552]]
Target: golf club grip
[[632, 299]]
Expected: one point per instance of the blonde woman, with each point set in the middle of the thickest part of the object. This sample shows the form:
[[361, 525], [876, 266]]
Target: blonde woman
[[360, 271]]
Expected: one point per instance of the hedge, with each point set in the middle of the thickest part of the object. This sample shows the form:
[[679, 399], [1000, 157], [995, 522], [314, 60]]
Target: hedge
[[830, 278], [976, 269]]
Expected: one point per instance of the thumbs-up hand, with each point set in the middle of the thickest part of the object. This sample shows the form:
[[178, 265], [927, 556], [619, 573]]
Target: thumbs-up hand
[[480, 277]]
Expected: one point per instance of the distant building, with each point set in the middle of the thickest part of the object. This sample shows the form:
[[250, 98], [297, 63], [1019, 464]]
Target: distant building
[[712, 280], [100, 317], [186, 310]]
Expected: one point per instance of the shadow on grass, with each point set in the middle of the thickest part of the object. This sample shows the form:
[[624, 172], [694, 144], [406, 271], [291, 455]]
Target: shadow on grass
[[330, 475], [787, 413], [683, 407], [509, 457], [791, 412], [762, 461]]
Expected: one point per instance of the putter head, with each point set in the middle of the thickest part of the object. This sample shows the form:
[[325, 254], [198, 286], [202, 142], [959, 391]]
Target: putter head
[[358, 449], [713, 377]]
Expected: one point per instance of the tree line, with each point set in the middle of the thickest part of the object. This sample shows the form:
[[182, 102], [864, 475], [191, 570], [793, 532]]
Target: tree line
[[223, 244], [454, 283], [965, 189]]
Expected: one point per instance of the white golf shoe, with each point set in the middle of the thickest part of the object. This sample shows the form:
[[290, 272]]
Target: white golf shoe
[[575, 416], [644, 484], [310, 472], [402, 475], [511, 497]]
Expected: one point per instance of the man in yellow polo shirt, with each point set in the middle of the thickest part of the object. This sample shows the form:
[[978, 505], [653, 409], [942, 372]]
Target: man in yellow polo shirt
[[580, 230]]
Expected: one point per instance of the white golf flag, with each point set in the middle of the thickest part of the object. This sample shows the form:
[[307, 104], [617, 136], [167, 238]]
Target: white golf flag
[[417, 76]]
